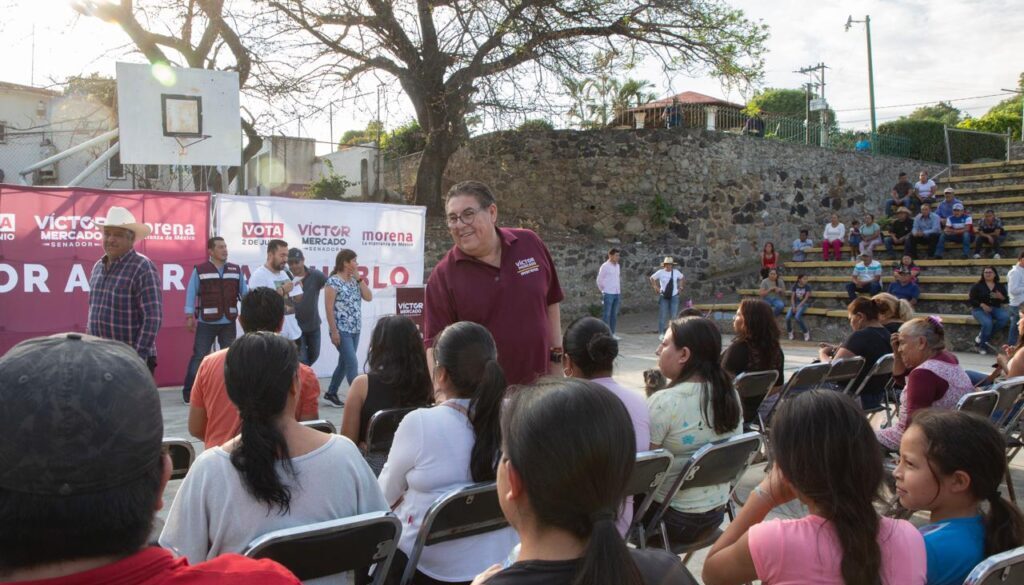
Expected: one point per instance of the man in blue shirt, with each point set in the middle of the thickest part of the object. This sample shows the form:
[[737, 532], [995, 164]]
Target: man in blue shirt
[[958, 229], [945, 208], [904, 287], [927, 231], [217, 285]]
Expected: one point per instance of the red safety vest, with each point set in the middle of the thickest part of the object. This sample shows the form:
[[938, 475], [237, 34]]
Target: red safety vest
[[218, 295]]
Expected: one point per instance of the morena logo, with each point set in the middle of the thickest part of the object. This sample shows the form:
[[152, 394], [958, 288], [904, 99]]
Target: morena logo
[[262, 230], [383, 238]]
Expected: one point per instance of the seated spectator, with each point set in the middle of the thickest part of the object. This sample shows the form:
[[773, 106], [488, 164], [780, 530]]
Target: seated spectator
[[869, 340], [699, 406], [755, 348], [987, 298], [83, 475], [212, 417], [799, 301], [950, 463], [932, 376], [907, 263], [892, 312], [899, 232], [989, 231], [769, 259], [854, 236], [449, 446], [276, 474], [904, 287], [957, 230], [866, 278], [564, 512], [871, 235], [825, 458], [900, 195], [924, 190], [801, 245], [945, 207], [832, 239], [398, 376], [590, 350], [772, 290], [926, 231], [863, 144]]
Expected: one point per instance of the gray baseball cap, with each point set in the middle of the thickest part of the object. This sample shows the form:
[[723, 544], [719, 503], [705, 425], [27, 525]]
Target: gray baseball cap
[[78, 414]]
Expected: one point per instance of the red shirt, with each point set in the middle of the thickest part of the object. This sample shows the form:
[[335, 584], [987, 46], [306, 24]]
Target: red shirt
[[769, 261], [156, 566], [210, 392], [511, 301]]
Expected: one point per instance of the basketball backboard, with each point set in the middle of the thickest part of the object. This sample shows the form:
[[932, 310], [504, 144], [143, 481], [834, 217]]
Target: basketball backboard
[[178, 116]]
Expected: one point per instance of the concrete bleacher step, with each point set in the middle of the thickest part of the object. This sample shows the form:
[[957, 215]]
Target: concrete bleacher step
[[921, 279], [974, 203], [981, 177], [848, 264], [989, 165], [833, 313], [990, 189], [836, 294], [1008, 243]]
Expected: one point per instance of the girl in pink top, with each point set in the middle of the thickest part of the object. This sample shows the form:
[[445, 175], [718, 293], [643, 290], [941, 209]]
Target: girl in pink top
[[826, 456]]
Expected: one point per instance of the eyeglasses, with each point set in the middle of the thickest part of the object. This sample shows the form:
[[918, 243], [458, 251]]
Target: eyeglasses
[[466, 217]]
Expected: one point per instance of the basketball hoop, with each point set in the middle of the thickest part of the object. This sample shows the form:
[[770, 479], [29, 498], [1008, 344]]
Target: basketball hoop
[[183, 145]]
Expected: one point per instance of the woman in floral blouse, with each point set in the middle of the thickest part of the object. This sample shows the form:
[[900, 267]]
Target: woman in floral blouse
[[343, 297]]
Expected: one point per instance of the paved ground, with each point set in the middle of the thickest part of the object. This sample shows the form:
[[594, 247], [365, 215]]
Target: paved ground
[[636, 354]]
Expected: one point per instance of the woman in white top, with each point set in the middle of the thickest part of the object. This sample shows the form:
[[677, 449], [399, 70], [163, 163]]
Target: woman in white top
[[451, 445], [276, 474], [590, 351], [832, 239], [699, 406]]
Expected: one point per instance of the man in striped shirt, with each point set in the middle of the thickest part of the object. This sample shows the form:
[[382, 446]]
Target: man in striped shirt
[[125, 302]]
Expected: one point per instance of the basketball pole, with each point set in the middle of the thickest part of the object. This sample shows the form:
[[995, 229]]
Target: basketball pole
[[102, 138]]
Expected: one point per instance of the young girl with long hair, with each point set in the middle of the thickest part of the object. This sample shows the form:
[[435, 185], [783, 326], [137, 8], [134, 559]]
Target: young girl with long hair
[[276, 474], [451, 445], [825, 456], [566, 457], [769, 258], [699, 406], [397, 376], [951, 464], [755, 348]]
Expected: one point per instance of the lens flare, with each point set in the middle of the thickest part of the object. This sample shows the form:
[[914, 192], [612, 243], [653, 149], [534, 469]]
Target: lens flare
[[164, 74]]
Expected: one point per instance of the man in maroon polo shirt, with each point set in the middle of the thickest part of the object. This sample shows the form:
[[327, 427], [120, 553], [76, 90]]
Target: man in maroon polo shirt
[[501, 278]]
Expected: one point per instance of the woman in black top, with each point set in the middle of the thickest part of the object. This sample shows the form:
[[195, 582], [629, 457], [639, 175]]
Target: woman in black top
[[869, 340], [754, 349], [398, 376], [987, 298], [892, 312], [567, 453]]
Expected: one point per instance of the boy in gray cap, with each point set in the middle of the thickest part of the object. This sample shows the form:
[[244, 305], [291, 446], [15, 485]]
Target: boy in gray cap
[[82, 471]]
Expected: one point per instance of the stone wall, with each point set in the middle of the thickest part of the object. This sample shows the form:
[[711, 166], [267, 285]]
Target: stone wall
[[1017, 151], [709, 199]]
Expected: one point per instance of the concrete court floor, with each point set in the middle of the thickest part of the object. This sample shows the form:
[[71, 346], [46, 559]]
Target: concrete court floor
[[636, 354]]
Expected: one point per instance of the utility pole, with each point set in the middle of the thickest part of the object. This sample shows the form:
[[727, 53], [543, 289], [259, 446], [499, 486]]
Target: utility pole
[[871, 76], [816, 82]]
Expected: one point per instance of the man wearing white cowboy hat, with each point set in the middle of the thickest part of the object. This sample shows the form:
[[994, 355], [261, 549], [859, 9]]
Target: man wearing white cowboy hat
[[125, 302], [666, 283]]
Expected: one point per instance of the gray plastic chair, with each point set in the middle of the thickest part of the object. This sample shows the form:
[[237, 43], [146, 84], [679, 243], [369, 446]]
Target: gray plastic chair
[[844, 370], [982, 403], [648, 473], [881, 367], [182, 453], [333, 547], [755, 384], [1005, 568], [324, 426], [380, 433]]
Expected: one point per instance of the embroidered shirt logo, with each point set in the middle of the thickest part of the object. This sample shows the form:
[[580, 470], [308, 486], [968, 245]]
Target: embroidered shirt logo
[[526, 266]]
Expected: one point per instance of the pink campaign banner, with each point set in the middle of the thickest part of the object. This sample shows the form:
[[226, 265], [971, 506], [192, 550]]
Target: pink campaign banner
[[50, 238]]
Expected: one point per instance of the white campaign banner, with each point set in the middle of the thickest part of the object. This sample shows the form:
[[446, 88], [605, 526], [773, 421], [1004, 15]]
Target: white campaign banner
[[387, 240]]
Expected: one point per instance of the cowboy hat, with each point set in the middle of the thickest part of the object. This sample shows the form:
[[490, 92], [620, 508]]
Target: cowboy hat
[[120, 217], [668, 260]]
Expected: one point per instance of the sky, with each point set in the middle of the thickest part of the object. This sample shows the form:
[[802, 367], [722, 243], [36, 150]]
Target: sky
[[924, 51]]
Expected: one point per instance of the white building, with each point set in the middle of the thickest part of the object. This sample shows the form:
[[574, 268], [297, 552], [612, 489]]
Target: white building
[[286, 165]]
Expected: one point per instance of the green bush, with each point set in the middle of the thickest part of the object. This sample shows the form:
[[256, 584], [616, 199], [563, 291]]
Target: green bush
[[331, 186], [995, 122], [926, 138], [535, 125], [404, 140]]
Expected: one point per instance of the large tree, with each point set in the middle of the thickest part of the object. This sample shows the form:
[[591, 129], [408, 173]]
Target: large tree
[[452, 57], [941, 112], [200, 34], [789, 103]]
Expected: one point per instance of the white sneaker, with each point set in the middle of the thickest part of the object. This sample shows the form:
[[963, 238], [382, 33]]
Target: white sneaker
[[807, 336], [977, 340], [616, 337], [981, 350], [977, 256], [996, 256], [790, 335]]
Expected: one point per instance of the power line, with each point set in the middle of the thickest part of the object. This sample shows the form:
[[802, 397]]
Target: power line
[[977, 97]]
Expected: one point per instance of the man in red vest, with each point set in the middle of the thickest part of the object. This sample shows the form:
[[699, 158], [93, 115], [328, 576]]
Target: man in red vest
[[211, 306]]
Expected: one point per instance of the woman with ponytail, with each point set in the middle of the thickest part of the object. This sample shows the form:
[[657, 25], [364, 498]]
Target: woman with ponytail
[[276, 474], [567, 455], [698, 407], [590, 352], [869, 340], [825, 457], [451, 445], [951, 464]]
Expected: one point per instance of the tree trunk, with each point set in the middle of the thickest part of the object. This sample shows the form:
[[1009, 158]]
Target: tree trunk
[[430, 175]]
